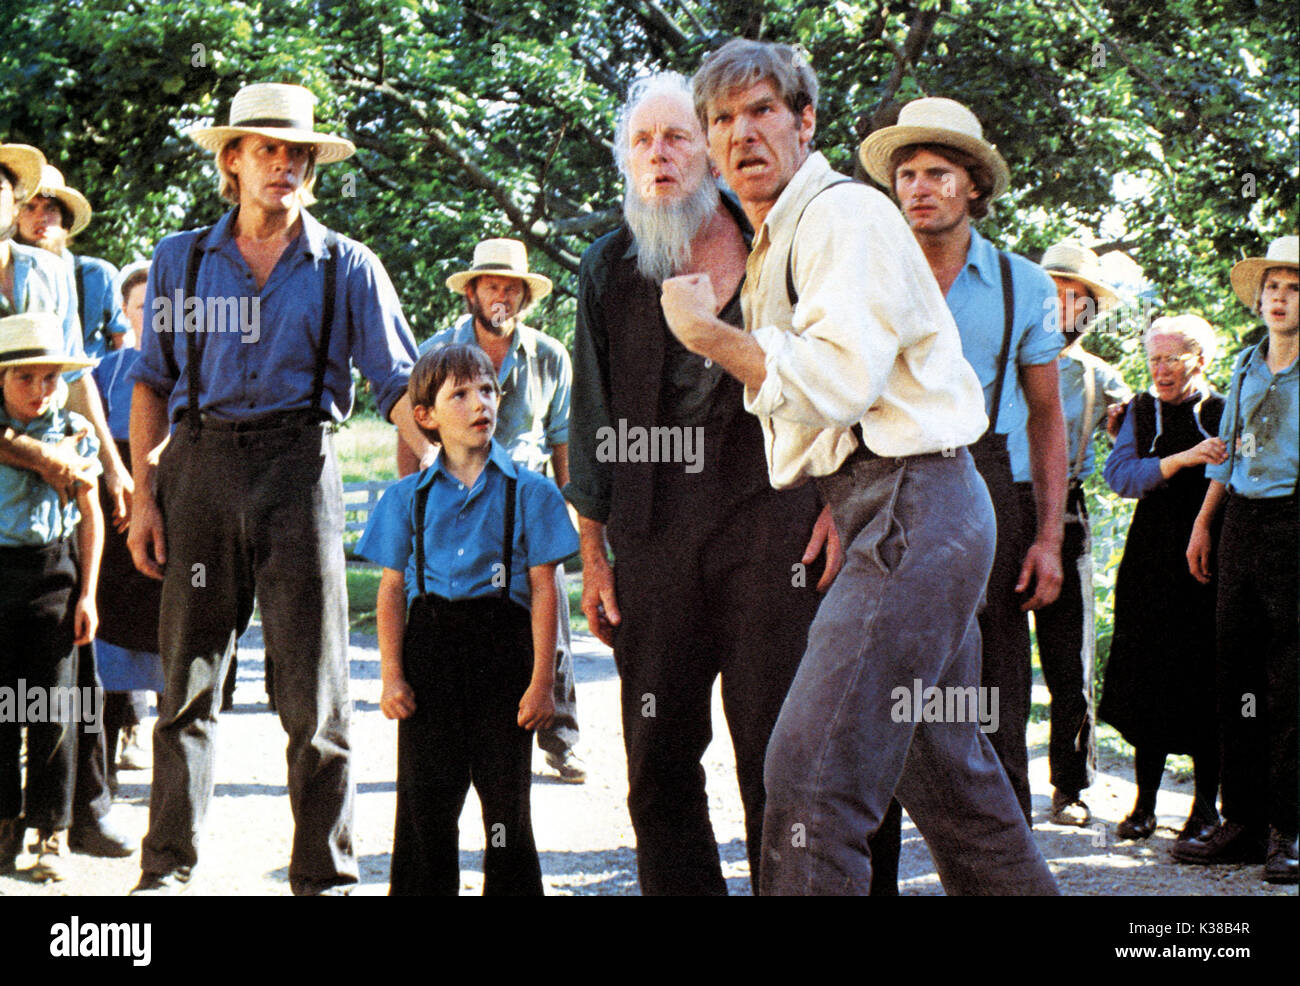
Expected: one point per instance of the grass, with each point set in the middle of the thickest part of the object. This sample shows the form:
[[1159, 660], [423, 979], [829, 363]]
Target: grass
[[366, 448]]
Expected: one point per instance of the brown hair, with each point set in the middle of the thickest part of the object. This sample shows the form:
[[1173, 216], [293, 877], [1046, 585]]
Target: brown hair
[[458, 362], [138, 276], [980, 175], [741, 63], [524, 305]]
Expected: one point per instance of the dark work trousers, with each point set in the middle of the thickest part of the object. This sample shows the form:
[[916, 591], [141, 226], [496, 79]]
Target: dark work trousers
[[1256, 616], [1005, 663], [38, 589], [696, 602], [469, 663], [256, 507], [1067, 648], [918, 537], [91, 797], [562, 734]]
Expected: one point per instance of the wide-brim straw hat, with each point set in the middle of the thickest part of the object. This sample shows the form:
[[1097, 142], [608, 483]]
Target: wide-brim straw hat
[[25, 162], [502, 258], [53, 186], [1247, 274], [275, 110], [1076, 262], [36, 338], [933, 120]]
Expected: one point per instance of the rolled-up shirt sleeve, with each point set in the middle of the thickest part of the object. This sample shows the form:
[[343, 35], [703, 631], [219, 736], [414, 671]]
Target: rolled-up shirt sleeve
[[153, 368], [382, 345], [557, 415], [1127, 473]]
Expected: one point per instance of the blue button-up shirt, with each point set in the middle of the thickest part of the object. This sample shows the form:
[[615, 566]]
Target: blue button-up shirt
[[536, 380], [100, 308], [1076, 365], [975, 300], [30, 512], [43, 284], [1263, 417], [114, 380], [259, 347], [464, 530]]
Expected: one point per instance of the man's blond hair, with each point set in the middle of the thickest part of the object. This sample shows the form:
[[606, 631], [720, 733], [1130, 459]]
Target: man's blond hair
[[228, 182]]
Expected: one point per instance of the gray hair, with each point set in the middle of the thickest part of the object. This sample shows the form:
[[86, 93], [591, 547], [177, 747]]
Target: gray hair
[[1197, 334], [660, 84], [741, 63]]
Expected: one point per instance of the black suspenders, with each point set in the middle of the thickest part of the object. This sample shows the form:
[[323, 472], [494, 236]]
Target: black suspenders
[[508, 548], [194, 357], [1008, 317]]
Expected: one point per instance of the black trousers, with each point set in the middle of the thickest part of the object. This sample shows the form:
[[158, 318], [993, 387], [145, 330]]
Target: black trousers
[[1067, 651], [38, 587], [1256, 617], [469, 663], [91, 797]]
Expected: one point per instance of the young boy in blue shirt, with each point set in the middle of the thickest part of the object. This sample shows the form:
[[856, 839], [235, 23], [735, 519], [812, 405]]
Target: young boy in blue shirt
[[466, 614], [47, 596]]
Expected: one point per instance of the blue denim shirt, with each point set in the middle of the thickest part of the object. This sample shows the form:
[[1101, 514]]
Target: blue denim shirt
[[1266, 458], [259, 347], [30, 512], [536, 382], [464, 528], [43, 284], [114, 380], [101, 307], [975, 300]]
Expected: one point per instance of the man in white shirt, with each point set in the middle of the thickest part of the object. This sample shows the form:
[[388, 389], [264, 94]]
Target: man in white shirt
[[860, 384]]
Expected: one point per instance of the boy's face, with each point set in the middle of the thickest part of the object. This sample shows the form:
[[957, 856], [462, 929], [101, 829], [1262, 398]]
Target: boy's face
[[28, 390], [464, 412], [1279, 299]]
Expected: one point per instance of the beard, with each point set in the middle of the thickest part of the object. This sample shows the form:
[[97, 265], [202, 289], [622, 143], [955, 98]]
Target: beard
[[663, 231], [53, 241], [498, 321]]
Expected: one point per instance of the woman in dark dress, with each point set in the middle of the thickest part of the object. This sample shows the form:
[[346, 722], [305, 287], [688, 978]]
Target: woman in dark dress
[[1159, 684]]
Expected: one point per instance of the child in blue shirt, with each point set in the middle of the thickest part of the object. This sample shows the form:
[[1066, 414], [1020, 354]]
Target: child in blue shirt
[[47, 597], [466, 614]]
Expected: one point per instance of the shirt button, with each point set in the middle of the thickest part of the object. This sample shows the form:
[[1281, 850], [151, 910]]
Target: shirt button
[[459, 552]]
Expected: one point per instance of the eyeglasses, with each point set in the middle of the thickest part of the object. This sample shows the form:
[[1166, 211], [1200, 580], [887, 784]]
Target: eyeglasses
[[1170, 361]]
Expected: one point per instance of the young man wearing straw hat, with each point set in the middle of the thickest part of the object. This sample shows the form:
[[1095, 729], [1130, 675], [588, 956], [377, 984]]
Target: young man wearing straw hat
[[535, 377], [1255, 613], [1065, 630], [944, 174], [246, 495], [49, 220], [859, 384]]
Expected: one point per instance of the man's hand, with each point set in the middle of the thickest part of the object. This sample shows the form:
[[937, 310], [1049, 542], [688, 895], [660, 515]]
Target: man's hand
[[824, 533], [689, 306], [63, 467], [1042, 568], [1198, 553], [598, 602], [1113, 414], [146, 540], [85, 620], [536, 708], [397, 700], [120, 488]]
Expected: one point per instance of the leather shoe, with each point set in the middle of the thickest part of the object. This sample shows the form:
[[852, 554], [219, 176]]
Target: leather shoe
[[102, 839], [170, 884], [1227, 843], [1139, 825], [1197, 828], [1280, 866], [1069, 809]]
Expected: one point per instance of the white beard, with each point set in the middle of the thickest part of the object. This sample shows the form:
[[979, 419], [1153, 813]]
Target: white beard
[[663, 231]]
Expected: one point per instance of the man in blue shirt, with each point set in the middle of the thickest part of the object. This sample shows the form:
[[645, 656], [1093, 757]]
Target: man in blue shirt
[[944, 175], [536, 377], [248, 496], [1255, 612], [49, 219]]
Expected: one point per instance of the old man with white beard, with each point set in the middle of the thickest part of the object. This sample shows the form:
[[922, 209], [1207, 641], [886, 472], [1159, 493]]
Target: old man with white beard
[[715, 572]]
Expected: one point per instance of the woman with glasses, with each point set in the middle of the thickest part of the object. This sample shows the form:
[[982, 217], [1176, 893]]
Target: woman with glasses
[[1159, 682]]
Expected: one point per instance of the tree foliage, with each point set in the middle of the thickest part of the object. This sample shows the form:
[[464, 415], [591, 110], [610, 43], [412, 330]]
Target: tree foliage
[[1167, 129]]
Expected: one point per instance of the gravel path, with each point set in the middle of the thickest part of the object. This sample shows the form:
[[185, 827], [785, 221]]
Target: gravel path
[[583, 832]]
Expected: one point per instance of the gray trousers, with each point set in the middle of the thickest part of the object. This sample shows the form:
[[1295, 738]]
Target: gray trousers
[[244, 511], [900, 618], [562, 733]]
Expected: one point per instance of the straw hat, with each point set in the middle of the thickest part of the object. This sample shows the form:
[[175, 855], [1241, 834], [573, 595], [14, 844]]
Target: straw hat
[[282, 112], [1247, 274], [53, 186], [503, 258], [1075, 261], [36, 338], [26, 163], [933, 120]]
